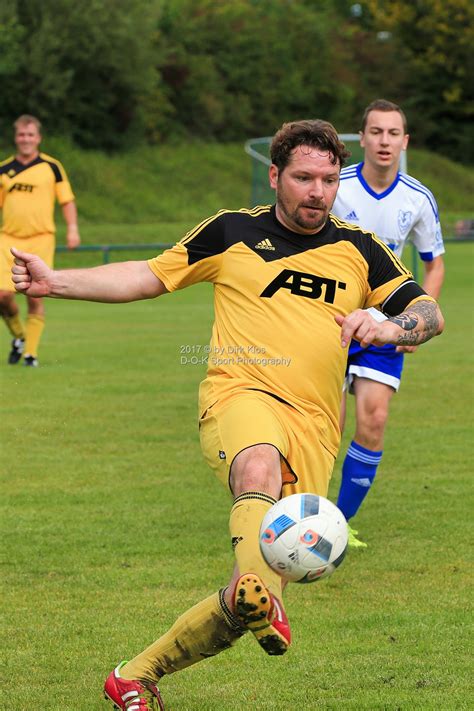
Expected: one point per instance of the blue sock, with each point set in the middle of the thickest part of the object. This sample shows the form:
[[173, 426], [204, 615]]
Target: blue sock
[[358, 473]]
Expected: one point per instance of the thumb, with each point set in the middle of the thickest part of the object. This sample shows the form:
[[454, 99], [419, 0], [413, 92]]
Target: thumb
[[339, 318], [24, 256]]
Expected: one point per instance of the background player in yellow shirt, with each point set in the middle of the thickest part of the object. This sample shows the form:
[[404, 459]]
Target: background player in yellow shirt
[[30, 183], [291, 283]]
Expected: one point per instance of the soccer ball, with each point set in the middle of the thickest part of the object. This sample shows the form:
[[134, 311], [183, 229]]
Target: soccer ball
[[303, 537]]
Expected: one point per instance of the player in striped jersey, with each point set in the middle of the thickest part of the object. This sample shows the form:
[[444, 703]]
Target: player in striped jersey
[[378, 197], [290, 286]]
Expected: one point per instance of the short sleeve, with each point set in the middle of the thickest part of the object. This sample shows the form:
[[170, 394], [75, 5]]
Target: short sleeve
[[426, 232], [64, 192], [197, 257]]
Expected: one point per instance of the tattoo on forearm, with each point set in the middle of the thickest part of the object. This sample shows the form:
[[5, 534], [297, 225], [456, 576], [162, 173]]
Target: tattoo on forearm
[[420, 323], [406, 321], [409, 339]]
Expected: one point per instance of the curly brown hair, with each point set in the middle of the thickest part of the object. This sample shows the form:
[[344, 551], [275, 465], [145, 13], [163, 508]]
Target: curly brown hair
[[314, 133]]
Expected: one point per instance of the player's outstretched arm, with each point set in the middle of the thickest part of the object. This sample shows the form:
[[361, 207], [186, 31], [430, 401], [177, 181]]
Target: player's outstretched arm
[[111, 283], [417, 324]]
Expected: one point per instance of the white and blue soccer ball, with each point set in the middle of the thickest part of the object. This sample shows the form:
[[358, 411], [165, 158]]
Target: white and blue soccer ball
[[303, 537]]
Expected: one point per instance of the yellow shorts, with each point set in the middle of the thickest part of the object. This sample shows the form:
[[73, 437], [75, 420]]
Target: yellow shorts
[[253, 417], [42, 245]]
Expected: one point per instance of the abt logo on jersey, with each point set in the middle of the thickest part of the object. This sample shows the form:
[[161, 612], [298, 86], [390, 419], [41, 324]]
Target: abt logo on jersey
[[302, 284], [22, 188]]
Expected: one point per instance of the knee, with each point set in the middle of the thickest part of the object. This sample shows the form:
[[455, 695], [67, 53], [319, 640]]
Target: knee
[[378, 419], [7, 300], [371, 427], [254, 476], [256, 471]]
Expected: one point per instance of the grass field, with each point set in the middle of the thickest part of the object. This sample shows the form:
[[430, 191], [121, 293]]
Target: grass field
[[112, 525]]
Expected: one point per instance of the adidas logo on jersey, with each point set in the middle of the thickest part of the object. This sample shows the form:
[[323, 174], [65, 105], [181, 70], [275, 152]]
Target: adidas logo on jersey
[[351, 216], [265, 244]]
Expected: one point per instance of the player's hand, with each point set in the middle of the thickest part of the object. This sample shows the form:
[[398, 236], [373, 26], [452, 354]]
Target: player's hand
[[406, 349], [73, 238], [361, 326], [30, 275]]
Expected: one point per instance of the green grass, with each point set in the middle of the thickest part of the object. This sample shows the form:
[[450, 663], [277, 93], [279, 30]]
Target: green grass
[[112, 525], [171, 183]]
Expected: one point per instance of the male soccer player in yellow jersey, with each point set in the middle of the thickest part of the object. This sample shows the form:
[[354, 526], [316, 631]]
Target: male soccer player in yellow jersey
[[30, 182], [291, 283]]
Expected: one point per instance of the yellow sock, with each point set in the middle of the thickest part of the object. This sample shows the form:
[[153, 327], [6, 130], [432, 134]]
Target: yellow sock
[[34, 329], [15, 325], [203, 631], [245, 520]]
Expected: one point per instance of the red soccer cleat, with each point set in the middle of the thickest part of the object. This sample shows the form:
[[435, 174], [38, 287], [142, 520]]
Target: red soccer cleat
[[132, 695], [262, 613]]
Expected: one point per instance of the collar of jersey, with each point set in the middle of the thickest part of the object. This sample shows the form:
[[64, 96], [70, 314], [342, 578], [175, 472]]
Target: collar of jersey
[[20, 167], [299, 237], [368, 189]]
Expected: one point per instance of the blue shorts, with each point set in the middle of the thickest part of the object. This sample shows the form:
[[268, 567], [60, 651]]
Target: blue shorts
[[380, 363]]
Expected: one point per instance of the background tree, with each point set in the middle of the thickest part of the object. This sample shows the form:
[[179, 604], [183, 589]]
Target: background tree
[[111, 72], [83, 67], [231, 69], [434, 39]]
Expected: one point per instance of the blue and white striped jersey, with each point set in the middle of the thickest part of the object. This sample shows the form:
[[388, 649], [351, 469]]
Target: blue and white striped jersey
[[407, 209]]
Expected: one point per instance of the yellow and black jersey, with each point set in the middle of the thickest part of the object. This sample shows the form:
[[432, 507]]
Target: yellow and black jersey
[[276, 293], [28, 193]]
